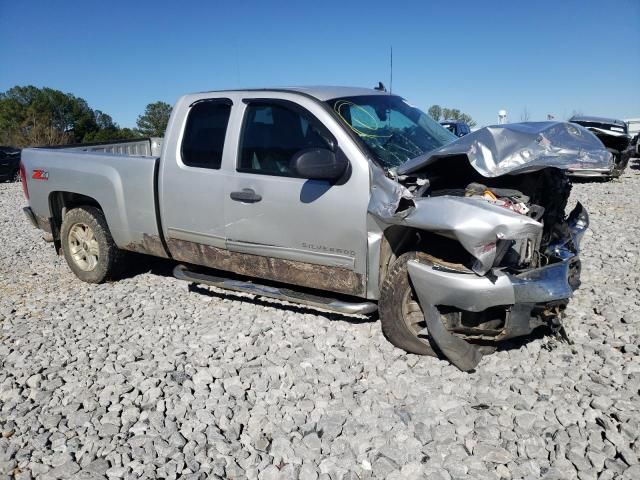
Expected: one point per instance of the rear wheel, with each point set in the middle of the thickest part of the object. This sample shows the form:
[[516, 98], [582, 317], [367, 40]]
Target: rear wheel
[[88, 246], [400, 313]]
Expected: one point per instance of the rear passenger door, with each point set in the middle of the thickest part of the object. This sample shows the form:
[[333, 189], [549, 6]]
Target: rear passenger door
[[193, 185]]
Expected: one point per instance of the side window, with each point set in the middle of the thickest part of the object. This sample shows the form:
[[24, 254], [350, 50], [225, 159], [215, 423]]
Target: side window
[[272, 135], [204, 134]]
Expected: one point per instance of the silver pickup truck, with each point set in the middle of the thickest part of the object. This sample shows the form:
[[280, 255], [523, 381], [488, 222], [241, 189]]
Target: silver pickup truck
[[346, 199]]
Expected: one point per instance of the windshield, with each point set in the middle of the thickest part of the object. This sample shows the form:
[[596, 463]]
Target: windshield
[[393, 130]]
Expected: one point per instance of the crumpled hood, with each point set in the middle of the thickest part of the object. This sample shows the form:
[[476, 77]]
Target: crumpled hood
[[522, 147]]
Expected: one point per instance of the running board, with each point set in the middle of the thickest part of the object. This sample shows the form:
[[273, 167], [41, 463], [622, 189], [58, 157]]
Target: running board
[[182, 273]]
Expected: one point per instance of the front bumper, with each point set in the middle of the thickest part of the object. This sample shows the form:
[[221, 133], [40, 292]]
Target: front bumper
[[470, 292], [521, 294]]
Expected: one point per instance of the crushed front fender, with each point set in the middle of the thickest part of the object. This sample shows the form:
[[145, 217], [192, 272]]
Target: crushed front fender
[[475, 223]]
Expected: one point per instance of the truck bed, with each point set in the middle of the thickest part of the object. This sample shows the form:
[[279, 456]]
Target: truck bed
[[148, 147], [53, 173]]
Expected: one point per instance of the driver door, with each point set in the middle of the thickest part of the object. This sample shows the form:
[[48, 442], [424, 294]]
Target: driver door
[[301, 226]]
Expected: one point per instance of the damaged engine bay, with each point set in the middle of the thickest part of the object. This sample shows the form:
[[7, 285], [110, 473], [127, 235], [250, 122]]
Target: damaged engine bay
[[498, 255], [530, 209]]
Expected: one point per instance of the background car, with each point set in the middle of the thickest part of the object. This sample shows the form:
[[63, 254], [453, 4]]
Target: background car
[[9, 164], [459, 129], [614, 134]]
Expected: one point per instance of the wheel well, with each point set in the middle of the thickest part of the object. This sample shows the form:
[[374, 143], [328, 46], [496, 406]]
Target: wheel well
[[397, 240], [60, 202]]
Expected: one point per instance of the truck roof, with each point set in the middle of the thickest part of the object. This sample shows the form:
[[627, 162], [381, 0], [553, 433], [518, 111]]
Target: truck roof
[[320, 92]]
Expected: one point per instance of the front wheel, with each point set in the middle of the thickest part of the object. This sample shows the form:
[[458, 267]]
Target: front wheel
[[400, 314], [88, 246]]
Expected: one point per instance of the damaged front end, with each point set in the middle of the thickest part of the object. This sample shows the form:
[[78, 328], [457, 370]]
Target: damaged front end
[[500, 195]]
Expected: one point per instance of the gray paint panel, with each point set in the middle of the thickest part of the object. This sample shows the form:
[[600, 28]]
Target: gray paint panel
[[122, 185]]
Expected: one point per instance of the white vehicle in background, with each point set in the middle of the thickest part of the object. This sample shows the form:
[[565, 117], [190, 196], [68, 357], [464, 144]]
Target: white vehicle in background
[[633, 125]]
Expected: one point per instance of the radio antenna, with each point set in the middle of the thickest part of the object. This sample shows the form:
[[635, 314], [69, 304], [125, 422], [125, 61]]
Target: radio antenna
[[391, 71]]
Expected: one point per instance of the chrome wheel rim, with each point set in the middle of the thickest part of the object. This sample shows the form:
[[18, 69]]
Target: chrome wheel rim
[[414, 317], [83, 246], [412, 313]]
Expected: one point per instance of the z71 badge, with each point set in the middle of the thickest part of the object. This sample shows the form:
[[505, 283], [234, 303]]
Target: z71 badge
[[40, 175]]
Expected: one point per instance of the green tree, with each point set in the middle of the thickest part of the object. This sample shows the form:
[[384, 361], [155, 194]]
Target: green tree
[[31, 116], [34, 116], [435, 112], [153, 122], [108, 130], [451, 114], [111, 134], [467, 119]]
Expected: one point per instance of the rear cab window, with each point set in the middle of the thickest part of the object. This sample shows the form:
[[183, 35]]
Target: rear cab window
[[204, 133]]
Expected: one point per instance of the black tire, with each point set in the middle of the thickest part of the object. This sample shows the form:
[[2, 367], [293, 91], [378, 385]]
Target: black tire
[[396, 289], [101, 266]]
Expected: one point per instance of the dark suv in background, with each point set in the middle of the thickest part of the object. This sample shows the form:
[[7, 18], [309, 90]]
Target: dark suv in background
[[459, 129], [9, 164], [614, 134]]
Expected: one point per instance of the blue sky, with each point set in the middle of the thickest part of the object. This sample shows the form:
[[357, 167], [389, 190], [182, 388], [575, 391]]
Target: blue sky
[[478, 56]]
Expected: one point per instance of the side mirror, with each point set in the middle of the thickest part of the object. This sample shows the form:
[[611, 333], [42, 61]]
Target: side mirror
[[318, 164]]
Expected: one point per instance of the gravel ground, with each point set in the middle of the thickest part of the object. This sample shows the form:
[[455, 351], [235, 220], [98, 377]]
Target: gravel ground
[[148, 378]]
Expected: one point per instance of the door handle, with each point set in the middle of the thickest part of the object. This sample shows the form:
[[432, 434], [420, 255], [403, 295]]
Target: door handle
[[246, 195]]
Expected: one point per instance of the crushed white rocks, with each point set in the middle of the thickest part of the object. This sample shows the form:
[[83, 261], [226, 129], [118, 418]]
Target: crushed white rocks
[[145, 377]]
